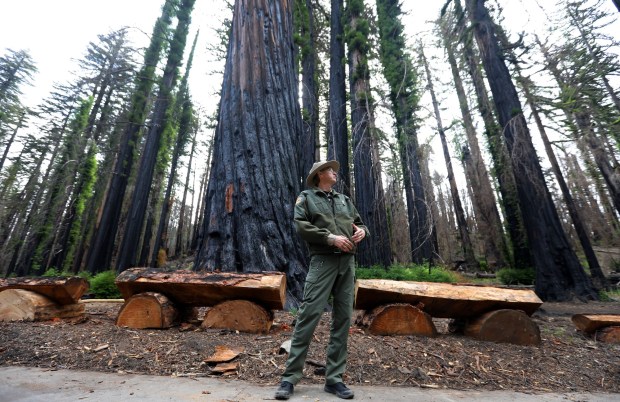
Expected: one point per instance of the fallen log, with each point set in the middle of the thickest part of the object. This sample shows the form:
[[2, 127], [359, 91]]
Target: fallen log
[[590, 323], [25, 305], [504, 326], [61, 290], [398, 319], [608, 334], [239, 315], [206, 288], [147, 310], [444, 300]]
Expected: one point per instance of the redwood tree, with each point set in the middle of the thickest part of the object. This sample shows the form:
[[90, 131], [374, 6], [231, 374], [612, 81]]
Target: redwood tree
[[559, 276], [248, 218]]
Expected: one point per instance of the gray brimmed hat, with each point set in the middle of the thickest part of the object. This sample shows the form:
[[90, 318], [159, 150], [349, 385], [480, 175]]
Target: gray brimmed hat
[[317, 167]]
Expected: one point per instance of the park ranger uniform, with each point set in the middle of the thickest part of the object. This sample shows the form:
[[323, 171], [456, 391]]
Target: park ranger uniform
[[318, 217]]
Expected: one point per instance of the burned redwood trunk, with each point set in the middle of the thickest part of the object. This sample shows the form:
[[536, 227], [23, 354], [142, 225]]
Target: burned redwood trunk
[[248, 221], [337, 137], [559, 276]]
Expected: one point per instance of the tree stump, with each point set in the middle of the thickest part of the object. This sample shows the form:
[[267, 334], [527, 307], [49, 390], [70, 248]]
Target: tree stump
[[608, 334], [239, 315], [398, 319], [25, 305], [147, 310], [589, 323], [505, 326]]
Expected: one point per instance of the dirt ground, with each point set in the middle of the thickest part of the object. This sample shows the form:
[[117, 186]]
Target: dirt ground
[[567, 360]]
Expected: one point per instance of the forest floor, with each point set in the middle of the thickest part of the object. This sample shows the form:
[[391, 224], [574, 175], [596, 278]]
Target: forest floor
[[567, 360]]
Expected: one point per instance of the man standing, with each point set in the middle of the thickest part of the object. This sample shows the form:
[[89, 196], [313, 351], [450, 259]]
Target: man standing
[[332, 227]]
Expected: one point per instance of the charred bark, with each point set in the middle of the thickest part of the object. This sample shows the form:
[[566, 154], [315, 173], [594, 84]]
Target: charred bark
[[248, 225], [337, 134], [559, 276]]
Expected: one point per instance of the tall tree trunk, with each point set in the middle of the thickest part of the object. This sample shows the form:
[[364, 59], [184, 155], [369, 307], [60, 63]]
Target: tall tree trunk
[[466, 244], [559, 276], [402, 77], [369, 195], [337, 133], [11, 139], [595, 269], [183, 113], [162, 113], [102, 244], [485, 209], [248, 225], [309, 88], [179, 248], [521, 255]]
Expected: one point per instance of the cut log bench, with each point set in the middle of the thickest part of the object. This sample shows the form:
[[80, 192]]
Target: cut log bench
[[37, 299], [483, 312], [236, 301], [602, 327]]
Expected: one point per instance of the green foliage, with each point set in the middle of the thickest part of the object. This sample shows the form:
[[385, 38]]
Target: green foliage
[[53, 272], [417, 273], [102, 286], [511, 276]]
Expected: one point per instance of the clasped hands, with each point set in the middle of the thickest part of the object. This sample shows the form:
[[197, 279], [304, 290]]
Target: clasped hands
[[346, 245]]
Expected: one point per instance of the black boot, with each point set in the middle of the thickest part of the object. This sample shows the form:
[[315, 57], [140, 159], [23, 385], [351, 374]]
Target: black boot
[[285, 390], [340, 390]]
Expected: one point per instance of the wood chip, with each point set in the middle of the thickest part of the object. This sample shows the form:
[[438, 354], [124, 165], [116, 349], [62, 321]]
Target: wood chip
[[225, 367], [224, 354], [101, 347]]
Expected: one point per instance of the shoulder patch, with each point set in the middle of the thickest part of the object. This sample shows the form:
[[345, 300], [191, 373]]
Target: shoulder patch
[[299, 200]]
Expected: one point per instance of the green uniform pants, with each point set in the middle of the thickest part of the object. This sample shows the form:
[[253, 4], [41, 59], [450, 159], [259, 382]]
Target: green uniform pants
[[328, 274]]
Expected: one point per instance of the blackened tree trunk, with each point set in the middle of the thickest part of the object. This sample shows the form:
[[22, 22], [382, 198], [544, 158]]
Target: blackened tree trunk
[[559, 276], [466, 244], [521, 256], [102, 244], [580, 229], [337, 133], [402, 77], [485, 209], [183, 113], [369, 195], [162, 115], [181, 244], [248, 218], [309, 152]]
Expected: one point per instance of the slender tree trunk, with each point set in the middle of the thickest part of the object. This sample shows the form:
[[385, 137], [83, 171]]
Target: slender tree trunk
[[337, 134], [401, 76], [179, 249], [521, 256], [369, 195], [102, 244], [254, 181], [466, 244], [127, 256], [559, 276], [183, 112], [309, 90], [10, 141], [595, 269], [485, 209]]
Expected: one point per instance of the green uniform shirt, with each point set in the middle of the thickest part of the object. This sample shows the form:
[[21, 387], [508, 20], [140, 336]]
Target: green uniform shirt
[[318, 214]]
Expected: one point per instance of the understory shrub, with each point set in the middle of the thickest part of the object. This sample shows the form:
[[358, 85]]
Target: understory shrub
[[415, 273], [512, 276], [102, 286]]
